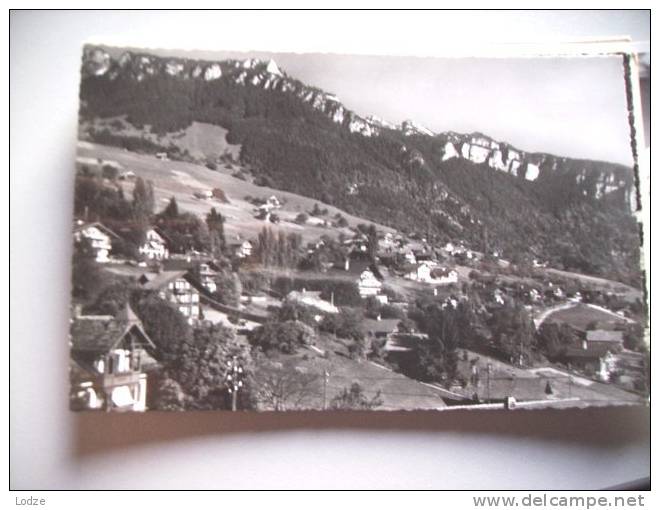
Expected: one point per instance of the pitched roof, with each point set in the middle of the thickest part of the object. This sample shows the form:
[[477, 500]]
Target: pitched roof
[[157, 281], [97, 224], [602, 335], [380, 326], [102, 333], [593, 352]]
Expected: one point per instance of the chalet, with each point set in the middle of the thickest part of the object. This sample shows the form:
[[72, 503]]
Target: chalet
[[207, 277], [404, 342], [370, 286], [242, 250], [162, 156], [418, 272], [312, 299], [595, 360], [99, 236], [175, 287], [154, 246], [110, 359], [601, 338]]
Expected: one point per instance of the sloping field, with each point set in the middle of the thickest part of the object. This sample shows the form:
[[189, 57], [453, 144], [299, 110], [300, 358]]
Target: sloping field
[[581, 315], [182, 180], [203, 141], [626, 291], [397, 392]]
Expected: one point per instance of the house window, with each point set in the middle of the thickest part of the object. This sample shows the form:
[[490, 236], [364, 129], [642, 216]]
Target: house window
[[184, 310], [195, 298]]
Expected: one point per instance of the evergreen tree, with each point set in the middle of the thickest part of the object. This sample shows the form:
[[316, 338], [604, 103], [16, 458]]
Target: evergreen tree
[[172, 209], [215, 223]]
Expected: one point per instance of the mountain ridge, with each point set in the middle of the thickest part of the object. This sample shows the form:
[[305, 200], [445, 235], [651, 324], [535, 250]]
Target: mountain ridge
[[476, 147], [444, 185]]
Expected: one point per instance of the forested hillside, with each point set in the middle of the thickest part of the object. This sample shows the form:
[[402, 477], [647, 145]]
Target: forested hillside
[[574, 215]]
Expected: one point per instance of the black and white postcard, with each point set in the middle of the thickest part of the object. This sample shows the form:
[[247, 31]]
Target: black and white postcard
[[276, 232]]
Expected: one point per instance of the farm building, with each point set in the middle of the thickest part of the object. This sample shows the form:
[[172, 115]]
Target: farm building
[[612, 340], [596, 361]]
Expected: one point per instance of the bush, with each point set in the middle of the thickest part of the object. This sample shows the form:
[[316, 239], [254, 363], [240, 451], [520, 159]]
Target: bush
[[285, 337]]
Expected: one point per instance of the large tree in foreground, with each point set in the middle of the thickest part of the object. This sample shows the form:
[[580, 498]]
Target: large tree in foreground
[[200, 367]]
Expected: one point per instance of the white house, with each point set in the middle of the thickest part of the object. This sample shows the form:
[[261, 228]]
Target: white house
[[173, 286], [110, 358], [370, 286], [207, 277], [419, 273], [410, 257], [243, 250], [154, 246], [99, 237]]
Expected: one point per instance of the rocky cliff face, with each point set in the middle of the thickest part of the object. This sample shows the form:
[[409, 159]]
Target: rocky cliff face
[[594, 179]]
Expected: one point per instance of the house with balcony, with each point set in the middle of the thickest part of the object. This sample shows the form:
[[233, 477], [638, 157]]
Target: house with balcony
[[111, 359], [176, 288], [154, 246], [207, 277], [99, 236]]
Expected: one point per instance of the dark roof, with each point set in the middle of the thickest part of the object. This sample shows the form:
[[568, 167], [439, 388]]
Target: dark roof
[[157, 281], [602, 335], [593, 352], [102, 333], [379, 326], [97, 224]]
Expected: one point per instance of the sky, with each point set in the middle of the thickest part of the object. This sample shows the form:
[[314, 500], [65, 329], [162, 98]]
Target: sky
[[574, 107]]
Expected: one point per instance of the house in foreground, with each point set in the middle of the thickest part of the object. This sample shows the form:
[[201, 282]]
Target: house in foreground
[[110, 359]]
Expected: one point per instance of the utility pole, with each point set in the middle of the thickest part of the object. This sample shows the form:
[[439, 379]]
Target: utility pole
[[488, 382], [325, 388], [234, 379]]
